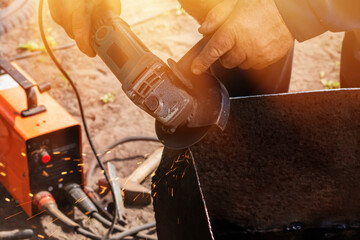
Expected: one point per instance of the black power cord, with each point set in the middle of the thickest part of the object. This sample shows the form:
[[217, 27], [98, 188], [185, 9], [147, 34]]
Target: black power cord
[[52, 56], [74, 192]]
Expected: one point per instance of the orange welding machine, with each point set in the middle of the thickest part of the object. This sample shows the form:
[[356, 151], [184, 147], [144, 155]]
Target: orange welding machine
[[40, 143]]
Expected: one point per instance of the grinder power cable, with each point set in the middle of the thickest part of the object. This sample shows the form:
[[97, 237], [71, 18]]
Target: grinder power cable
[[184, 105]]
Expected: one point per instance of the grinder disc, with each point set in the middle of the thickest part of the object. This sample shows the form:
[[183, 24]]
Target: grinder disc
[[182, 138]]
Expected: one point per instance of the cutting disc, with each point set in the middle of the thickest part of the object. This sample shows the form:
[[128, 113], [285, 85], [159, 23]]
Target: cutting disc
[[182, 138]]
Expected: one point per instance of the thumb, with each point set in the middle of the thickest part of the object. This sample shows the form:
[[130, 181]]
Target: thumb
[[81, 28]]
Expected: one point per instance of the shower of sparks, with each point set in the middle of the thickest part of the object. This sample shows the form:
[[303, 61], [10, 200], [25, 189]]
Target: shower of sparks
[[35, 215], [13, 215]]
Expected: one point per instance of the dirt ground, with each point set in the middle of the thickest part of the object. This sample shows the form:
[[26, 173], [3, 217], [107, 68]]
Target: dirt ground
[[168, 33]]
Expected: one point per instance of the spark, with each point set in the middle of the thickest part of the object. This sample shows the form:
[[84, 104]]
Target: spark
[[45, 174], [108, 152], [153, 174], [53, 233], [72, 171], [87, 213], [71, 212], [54, 220], [136, 197], [61, 179], [103, 189], [49, 166], [31, 195], [3, 174], [36, 215], [56, 153], [23, 154], [13, 215], [83, 154], [67, 158], [178, 221], [19, 205], [63, 173], [7, 199], [40, 236], [2, 165], [184, 172], [80, 164], [154, 194], [172, 192], [81, 199]]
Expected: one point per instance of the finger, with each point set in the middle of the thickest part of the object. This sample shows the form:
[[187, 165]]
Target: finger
[[81, 27], [217, 16], [233, 58], [69, 7], [221, 42]]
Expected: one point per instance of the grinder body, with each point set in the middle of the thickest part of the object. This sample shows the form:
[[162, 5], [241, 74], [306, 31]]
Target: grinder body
[[184, 105]]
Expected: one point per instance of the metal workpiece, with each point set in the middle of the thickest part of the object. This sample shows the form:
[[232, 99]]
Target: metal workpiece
[[286, 165]]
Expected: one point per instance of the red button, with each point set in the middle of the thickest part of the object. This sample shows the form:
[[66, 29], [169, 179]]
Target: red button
[[45, 158]]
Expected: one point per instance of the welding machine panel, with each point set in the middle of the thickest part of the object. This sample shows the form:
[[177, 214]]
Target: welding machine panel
[[39, 152]]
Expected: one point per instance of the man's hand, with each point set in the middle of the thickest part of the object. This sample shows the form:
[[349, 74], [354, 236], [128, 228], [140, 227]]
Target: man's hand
[[247, 34], [75, 17]]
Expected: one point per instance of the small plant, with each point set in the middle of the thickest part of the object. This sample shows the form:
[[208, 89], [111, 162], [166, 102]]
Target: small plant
[[330, 84], [108, 97], [32, 46]]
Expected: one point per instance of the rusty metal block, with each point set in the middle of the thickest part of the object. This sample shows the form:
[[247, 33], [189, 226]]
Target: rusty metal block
[[287, 162]]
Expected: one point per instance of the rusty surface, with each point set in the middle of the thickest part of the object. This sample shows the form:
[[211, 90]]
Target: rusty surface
[[284, 162]]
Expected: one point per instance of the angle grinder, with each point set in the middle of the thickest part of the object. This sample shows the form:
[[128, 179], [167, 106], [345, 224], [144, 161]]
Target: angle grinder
[[184, 105]]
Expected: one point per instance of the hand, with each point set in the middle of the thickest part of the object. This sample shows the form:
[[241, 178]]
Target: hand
[[75, 17], [247, 34]]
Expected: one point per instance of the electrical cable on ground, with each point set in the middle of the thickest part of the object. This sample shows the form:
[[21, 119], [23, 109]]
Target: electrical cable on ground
[[52, 56], [90, 172], [74, 192]]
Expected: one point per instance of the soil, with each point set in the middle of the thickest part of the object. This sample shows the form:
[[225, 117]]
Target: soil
[[169, 34], [5, 3]]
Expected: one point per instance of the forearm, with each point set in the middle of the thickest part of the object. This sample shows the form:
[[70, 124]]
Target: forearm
[[309, 18]]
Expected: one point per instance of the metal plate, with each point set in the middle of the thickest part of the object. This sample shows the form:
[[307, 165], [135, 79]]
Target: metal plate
[[284, 162]]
